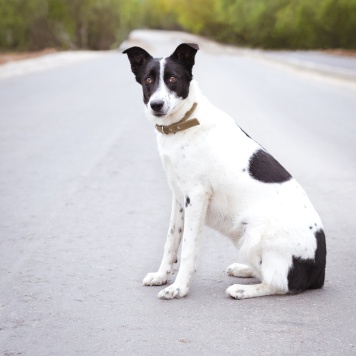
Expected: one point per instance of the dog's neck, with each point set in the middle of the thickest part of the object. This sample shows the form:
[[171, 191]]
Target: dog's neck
[[181, 109]]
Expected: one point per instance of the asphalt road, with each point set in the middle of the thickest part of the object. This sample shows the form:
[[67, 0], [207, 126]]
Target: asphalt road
[[84, 209]]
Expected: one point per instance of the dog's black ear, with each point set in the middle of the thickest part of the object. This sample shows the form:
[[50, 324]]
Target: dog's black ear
[[138, 57], [185, 54]]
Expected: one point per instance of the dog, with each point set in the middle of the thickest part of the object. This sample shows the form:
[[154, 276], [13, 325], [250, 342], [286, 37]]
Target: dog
[[221, 177]]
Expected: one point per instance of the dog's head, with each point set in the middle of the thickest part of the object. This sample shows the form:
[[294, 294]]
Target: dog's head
[[165, 81]]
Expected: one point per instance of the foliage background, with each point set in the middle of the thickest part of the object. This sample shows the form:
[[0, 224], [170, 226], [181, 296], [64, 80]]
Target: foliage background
[[103, 24]]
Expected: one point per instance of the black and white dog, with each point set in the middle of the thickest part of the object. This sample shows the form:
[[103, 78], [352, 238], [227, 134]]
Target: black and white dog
[[219, 176]]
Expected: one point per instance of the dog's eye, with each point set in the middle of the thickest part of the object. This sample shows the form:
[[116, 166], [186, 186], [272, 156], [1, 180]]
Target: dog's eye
[[148, 80], [172, 79]]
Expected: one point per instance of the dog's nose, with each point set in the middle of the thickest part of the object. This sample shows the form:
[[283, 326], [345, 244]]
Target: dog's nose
[[156, 105]]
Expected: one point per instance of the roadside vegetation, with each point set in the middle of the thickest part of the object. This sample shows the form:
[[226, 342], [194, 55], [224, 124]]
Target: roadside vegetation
[[103, 24]]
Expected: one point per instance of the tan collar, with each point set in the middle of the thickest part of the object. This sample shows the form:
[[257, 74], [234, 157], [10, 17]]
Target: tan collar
[[181, 125]]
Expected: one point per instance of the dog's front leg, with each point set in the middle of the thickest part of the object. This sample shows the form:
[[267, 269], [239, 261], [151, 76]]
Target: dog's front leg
[[171, 247], [196, 204]]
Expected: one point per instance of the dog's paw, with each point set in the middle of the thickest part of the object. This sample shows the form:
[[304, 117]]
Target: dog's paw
[[237, 291], [240, 270], [154, 279], [172, 292], [240, 291]]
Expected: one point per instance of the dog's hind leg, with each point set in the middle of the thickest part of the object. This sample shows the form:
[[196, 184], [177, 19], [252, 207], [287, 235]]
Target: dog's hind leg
[[171, 247], [240, 270], [240, 291], [274, 271]]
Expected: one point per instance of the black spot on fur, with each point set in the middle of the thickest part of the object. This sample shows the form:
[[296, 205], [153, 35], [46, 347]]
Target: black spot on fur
[[264, 168], [187, 201], [310, 273], [244, 132], [247, 135]]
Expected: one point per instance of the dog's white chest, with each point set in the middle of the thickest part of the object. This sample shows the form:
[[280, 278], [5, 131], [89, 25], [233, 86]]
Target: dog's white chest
[[179, 161]]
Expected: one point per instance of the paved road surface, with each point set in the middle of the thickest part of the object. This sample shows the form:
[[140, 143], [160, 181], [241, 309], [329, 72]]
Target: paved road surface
[[320, 62], [84, 209]]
